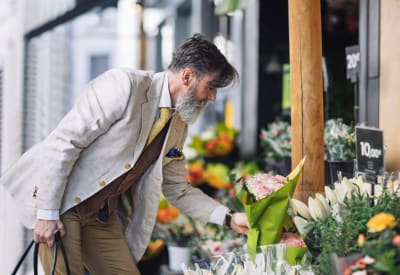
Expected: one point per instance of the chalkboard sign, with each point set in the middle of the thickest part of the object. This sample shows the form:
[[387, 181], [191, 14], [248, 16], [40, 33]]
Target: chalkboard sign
[[353, 62], [369, 148]]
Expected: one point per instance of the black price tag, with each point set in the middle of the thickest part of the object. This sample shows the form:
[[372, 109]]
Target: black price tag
[[353, 62], [369, 148]]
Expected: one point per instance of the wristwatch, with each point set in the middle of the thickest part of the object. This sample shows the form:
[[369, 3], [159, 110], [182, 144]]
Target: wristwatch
[[228, 218]]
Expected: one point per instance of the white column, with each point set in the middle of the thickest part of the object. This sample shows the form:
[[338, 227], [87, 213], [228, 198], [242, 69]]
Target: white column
[[11, 231], [250, 79], [128, 43]]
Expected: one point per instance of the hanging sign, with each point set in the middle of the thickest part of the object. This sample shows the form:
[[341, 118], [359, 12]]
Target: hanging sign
[[369, 149], [353, 63]]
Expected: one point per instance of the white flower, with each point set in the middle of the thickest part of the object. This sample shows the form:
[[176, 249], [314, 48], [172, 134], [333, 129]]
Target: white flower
[[330, 195], [317, 211], [301, 225], [300, 208], [340, 191], [323, 201], [368, 260], [335, 209], [208, 134]]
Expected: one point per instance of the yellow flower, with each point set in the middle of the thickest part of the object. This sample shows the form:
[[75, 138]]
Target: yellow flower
[[380, 222]]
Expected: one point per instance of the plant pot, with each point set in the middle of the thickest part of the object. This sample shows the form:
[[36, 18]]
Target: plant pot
[[178, 255], [345, 167]]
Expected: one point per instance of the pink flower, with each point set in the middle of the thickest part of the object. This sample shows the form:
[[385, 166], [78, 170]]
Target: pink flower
[[292, 239], [261, 185]]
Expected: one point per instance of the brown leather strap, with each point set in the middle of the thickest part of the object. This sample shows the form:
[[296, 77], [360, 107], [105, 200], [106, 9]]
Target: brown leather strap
[[120, 185]]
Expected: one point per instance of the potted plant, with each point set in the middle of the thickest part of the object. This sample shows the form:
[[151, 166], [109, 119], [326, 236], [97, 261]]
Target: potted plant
[[178, 231], [340, 149]]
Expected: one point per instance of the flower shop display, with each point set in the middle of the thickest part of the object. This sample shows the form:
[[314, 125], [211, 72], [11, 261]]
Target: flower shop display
[[340, 149], [339, 140], [349, 223], [216, 240], [266, 200], [217, 141], [275, 142], [271, 261]]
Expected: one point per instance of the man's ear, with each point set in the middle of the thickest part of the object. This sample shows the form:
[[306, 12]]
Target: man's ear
[[187, 76]]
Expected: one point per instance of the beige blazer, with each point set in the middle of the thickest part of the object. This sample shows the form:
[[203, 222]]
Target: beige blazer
[[98, 140]]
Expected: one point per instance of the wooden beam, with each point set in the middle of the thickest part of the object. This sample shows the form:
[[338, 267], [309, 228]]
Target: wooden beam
[[306, 92], [389, 110]]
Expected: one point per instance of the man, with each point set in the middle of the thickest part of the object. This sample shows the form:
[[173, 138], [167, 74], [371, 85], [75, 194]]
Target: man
[[91, 179]]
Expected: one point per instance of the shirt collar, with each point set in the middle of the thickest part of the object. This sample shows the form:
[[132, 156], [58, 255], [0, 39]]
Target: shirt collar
[[165, 100]]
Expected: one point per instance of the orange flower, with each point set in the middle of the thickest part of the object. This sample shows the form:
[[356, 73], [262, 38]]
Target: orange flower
[[167, 214], [396, 240], [195, 173], [361, 239], [153, 249], [380, 222]]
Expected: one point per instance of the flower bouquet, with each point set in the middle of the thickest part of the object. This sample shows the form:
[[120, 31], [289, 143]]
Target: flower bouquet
[[266, 200]]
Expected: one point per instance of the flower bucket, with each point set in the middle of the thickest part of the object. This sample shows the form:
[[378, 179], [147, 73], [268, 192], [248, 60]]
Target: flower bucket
[[178, 255]]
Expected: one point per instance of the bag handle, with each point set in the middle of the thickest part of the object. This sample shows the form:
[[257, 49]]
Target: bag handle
[[58, 243]]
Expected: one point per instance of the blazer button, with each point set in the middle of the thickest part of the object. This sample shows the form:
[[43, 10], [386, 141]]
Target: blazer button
[[77, 200], [127, 166], [102, 183]]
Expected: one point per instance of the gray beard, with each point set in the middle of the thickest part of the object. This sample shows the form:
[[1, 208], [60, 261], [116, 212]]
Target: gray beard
[[189, 108]]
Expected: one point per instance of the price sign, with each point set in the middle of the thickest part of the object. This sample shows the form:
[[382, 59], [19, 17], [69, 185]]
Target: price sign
[[353, 62], [369, 148]]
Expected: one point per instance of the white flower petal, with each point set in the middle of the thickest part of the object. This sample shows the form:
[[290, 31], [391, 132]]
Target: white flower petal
[[301, 225], [330, 195], [300, 208], [323, 203]]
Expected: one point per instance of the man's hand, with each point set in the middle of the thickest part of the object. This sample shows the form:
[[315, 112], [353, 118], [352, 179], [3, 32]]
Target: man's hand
[[239, 223], [45, 230]]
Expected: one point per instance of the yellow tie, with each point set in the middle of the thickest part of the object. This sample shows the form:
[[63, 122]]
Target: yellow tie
[[165, 114]]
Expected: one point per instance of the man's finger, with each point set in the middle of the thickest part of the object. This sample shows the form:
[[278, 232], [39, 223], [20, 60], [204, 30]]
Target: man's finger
[[50, 243], [60, 228]]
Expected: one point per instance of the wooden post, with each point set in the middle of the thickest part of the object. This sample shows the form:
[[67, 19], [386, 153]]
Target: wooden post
[[306, 92], [390, 82]]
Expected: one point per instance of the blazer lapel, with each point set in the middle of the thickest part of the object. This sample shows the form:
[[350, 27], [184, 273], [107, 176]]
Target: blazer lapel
[[149, 111]]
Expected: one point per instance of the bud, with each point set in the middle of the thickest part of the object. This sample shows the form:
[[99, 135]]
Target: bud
[[361, 239]]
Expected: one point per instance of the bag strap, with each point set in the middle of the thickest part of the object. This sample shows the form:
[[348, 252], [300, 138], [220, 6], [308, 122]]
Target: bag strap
[[57, 243]]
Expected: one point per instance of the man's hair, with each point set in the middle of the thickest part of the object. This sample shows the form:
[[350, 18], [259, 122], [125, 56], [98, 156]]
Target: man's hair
[[203, 57]]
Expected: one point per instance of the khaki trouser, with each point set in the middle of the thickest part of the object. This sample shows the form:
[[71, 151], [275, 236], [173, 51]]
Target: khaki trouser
[[101, 248]]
